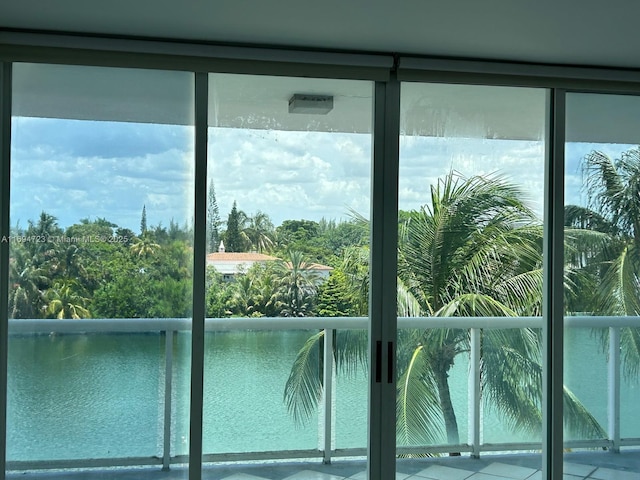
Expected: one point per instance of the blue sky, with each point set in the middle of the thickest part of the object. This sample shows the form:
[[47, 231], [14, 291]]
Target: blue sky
[[82, 169]]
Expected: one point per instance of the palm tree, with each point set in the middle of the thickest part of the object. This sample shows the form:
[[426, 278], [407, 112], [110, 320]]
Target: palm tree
[[242, 301], [258, 231], [144, 246], [474, 251], [613, 260], [298, 284], [65, 301], [27, 280]]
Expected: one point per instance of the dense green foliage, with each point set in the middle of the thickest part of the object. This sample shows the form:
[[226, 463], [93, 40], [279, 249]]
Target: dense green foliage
[[94, 268]]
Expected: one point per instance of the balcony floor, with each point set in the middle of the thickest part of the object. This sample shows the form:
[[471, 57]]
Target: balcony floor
[[578, 466]]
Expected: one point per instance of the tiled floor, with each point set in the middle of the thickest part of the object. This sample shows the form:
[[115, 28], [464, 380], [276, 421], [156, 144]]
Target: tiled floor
[[578, 466]]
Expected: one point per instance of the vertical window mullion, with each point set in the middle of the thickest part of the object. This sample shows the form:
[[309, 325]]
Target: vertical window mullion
[[382, 303], [199, 268], [5, 169], [553, 306]]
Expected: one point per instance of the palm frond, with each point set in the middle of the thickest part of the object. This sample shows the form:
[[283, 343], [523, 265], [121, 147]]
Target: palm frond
[[578, 421], [419, 419], [303, 389]]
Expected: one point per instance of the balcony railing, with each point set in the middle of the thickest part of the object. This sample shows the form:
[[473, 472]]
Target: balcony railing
[[171, 326]]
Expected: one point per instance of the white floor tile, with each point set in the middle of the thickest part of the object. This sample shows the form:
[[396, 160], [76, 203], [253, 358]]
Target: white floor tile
[[359, 476], [440, 472], [566, 476], [514, 472], [578, 469], [610, 474], [311, 475], [243, 476], [484, 476], [536, 476], [363, 476]]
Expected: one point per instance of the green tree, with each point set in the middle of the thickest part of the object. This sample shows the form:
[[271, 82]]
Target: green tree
[[475, 250], [259, 231], [213, 219], [27, 280], [612, 258], [335, 297], [232, 239], [218, 294], [298, 285], [144, 246], [143, 220], [65, 300]]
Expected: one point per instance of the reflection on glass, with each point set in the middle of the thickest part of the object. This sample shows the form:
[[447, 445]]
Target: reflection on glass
[[470, 221], [101, 246], [602, 209], [288, 242]]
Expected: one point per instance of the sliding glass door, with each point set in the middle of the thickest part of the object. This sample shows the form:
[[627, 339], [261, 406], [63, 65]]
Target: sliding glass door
[[602, 287], [100, 266], [287, 268], [470, 228]]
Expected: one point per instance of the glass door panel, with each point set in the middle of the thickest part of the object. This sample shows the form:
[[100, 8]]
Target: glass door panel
[[100, 268], [602, 291], [288, 252], [470, 276]]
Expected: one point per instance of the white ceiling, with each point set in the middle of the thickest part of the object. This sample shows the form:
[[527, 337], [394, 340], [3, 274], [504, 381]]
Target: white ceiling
[[584, 33], [573, 32]]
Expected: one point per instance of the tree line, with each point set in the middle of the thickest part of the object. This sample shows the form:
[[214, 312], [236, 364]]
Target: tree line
[[97, 269]]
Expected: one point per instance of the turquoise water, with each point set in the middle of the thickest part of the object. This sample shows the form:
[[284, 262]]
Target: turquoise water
[[100, 396]]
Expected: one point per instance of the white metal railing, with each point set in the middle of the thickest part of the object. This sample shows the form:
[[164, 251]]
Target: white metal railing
[[171, 326]]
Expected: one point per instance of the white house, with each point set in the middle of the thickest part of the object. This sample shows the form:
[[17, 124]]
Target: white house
[[229, 264]]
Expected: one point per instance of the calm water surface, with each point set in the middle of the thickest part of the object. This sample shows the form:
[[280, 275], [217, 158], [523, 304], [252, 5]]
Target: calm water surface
[[99, 396]]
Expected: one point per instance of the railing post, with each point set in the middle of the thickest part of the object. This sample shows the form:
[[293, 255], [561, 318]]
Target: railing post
[[168, 387], [474, 392], [614, 388], [327, 400]]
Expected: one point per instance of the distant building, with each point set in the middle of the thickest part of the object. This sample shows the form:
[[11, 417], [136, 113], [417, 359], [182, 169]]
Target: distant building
[[230, 264]]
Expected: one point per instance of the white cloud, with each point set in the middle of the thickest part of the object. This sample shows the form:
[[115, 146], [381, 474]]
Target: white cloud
[[288, 175]]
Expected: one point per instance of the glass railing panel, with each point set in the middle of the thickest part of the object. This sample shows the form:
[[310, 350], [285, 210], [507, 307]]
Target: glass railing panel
[[244, 409], [57, 378], [502, 372], [351, 391], [629, 394], [585, 348], [180, 403]]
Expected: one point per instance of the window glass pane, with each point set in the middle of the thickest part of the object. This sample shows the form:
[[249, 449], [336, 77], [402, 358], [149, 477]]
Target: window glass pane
[[602, 209], [470, 236], [101, 251], [289, 195]]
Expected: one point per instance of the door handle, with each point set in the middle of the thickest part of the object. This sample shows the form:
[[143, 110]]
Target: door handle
[[378, 361], [391, 355]]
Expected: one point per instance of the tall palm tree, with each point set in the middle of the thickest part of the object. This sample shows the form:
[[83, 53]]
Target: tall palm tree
[[298, 284], [258, 230], [613, 191], [27, 281], [474, 251], [243, 296]]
